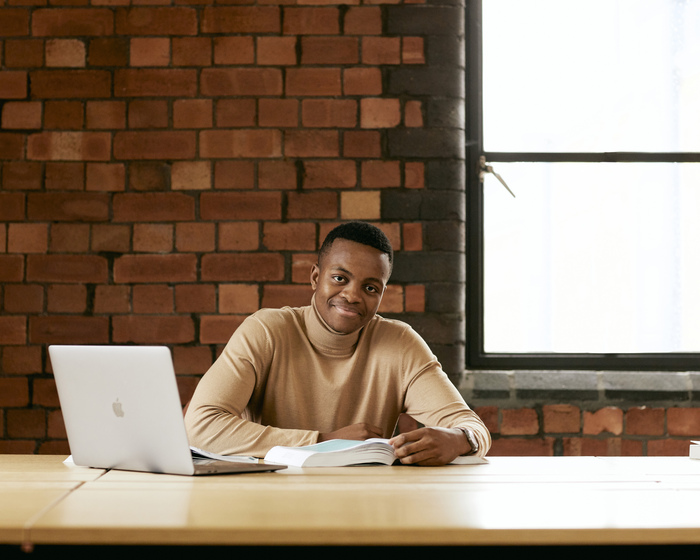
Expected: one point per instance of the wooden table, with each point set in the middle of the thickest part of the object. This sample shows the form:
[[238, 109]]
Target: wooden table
[[508, 501]]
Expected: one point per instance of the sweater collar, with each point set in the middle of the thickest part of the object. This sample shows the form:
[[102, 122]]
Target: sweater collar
[[324, 338]]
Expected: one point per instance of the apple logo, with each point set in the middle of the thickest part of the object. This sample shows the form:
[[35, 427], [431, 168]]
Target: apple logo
[[117, 408]]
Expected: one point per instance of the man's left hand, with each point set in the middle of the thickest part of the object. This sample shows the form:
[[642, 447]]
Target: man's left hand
[[430, 446]]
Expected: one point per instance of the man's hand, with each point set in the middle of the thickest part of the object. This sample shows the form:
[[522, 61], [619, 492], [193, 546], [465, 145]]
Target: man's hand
[[430, 446], [361, 431]]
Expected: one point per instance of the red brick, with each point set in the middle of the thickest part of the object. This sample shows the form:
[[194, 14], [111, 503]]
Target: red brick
[[191, 51], [44, 393], [216, 82], [379, 113], [26, 423], [108, 51], [22, 175], [11, 146], [311, 21], [21, 360], [105, 114], [240, 19], [234, 175], [152, 329], [13, 84], [608, 419], [152, 298], [149, 51], [112, 299], [81, 146], [362, 81], [519, 421], [13, 329], [668, 448], [22, 53], [278, 112], [413, 114], [234, 50], [72, 207], [68, 329], [14, 392], [67, 53], [11, 268], [155, 145], [11, 207], [148, 113], [415, 298], [683, 421], [381, 50], [363, 21], [301, 267], [217, 329], [276, 296], [412, 50], [412, 237], [105, 177], [238, 236], [153, 238], [195, 237], [381, 174], [238, 298], [645, 421], [155, 82], [191, 359], [78, 22], [319, 113], [521, 447], [69, 238], [244, 143], [312, 205], [365, 205], [21, 115], [277, 175], [156, 21], [414, 175], [64, 176], [311, 143], [392, 301], [70, 84], [241, 206], [561, 418], [155, 268], [589, 447], [335, 174], [66, 268], [24, 298], [149, 176], [14, 22], [195, 298], [244, 267], [362, 144], [294, 236], [191, 175], [192, 113], [276, 51], [27, 238], [329, 50], [235, 113], [63, 115], [313, 82], [114, 238]]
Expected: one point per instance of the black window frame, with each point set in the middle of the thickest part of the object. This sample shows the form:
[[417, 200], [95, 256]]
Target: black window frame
[[476, 357]]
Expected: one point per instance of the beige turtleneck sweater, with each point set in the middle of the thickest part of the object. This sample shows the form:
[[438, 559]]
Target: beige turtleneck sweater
[[285, 376]]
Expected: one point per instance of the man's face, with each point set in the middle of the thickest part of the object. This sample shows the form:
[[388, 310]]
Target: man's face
[[349, 283]]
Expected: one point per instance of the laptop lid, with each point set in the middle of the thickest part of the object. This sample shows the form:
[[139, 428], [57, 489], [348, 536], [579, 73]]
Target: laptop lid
[[121, 410]]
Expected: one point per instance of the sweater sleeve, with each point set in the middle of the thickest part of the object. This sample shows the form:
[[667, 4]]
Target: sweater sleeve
[[432, 399], [218, 417]]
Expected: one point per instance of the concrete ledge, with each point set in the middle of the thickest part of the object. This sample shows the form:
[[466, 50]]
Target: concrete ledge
[[525, 387]]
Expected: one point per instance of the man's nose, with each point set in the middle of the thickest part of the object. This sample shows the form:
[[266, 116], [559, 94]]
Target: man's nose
[[351, 292]]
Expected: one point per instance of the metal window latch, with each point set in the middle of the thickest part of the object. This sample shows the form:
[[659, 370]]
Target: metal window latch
[[483, 169]]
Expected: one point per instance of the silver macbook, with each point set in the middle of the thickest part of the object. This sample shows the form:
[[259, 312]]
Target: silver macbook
[[121, 409]]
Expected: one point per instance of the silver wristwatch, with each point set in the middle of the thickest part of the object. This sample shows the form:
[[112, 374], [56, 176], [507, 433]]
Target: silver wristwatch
[[471, 440]]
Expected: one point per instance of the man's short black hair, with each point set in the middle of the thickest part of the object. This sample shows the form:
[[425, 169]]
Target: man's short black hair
[[359, 232]]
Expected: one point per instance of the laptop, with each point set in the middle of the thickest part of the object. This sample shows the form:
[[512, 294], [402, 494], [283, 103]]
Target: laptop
[[121, 409]]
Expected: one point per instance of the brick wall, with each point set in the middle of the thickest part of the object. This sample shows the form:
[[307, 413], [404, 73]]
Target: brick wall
[[169, 166]]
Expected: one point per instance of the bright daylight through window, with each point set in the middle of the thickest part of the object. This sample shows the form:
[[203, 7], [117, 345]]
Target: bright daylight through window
[[593, 254]]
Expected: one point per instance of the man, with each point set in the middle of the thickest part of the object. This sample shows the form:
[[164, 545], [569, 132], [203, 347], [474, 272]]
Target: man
[[333, 369]]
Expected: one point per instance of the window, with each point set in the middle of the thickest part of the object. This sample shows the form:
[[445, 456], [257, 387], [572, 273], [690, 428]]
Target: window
[[589, 112]]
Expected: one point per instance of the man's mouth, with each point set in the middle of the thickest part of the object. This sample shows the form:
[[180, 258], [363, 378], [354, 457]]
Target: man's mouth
[[346, 310]]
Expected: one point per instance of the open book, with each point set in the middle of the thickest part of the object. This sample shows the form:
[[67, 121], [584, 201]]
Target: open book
[[343, 452]]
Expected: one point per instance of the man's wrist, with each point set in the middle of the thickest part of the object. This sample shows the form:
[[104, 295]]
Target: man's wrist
[[471, 440]]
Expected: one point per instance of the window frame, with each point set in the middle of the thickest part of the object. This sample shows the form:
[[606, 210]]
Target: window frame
[[476, 357]]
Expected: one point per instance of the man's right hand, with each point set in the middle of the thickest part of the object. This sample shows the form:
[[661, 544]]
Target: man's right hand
[[360, 431]]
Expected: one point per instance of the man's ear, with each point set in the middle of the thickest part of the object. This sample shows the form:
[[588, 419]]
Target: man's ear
[[315, 271]]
